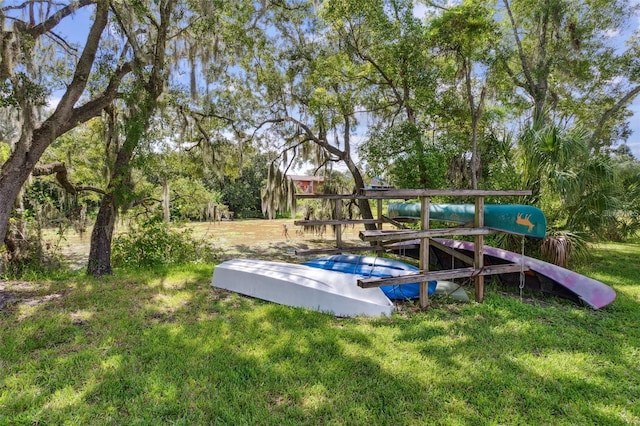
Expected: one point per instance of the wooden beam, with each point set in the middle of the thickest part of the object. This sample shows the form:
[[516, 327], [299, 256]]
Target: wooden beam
[[393, 222], [338, 228], [411, 234], [447, 274], [380, 222], [332, 196], [466, 259], [395, 245], [424, 251], [478, 254], [416, 193], [335, 222], [334, 250], [400, 220]]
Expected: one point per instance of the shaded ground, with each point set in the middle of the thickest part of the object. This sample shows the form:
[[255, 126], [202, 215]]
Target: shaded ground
[[261, 239], [31, 293]]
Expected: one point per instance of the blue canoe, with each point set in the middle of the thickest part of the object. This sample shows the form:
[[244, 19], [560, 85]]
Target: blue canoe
[[379, 267], [514, 218]]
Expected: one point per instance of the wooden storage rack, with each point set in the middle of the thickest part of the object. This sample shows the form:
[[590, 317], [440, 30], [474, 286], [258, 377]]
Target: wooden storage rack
[[379, 238]]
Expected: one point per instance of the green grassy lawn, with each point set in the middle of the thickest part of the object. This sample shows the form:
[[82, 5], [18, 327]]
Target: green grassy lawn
[[164, 347]]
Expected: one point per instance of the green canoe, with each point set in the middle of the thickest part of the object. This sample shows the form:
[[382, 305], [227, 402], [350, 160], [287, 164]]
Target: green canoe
[[513, 218]]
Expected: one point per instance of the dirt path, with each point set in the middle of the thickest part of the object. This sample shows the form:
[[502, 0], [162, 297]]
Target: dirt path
[[268, 239]]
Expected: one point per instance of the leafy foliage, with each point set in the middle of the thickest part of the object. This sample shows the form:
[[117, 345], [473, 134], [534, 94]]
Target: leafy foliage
[[241, 193], [624, 217], [400, 150], [567, 179], [153, 243]]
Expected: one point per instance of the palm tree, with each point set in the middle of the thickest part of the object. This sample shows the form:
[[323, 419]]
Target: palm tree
[[572, 184]]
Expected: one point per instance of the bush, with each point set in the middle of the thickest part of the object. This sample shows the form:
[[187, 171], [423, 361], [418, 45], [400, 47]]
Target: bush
[[153, 243], [561, 247]]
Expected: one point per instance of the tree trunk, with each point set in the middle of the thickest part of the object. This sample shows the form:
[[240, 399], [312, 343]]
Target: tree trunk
[[16, 170], [10, 185], [152, 84], [423, 173], [166, 202], [536, 75], [100, 251], [365, 208], [476, 116], [16, 240], [102, 234]]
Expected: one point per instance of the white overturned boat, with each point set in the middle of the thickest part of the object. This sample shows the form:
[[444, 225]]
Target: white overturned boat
[[301, 286]]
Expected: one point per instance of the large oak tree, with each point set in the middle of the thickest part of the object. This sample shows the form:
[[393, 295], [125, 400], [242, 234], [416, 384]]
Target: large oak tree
[[23, 78]]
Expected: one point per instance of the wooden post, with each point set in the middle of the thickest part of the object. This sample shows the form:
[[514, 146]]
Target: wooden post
[[338, 227], [424, 251], [380, 252], [478, 257]]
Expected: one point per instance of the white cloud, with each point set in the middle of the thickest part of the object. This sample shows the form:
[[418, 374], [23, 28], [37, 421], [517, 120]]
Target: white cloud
[[615, 80], [419, 10], [612, 33]]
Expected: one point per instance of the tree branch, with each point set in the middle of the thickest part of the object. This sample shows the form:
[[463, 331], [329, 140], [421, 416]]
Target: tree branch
[[523, 58], [60, 171], [94, 107], [615, 108], [62, 42], [138, 53], [55, 19], [83, 68]]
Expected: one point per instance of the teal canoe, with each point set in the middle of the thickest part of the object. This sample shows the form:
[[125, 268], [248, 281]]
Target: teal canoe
[[513, 218]]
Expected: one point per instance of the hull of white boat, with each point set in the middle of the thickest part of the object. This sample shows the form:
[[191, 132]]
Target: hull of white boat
[[301, 286]]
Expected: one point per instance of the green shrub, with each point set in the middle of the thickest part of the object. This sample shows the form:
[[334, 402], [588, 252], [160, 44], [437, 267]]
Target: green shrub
[[154, 243]]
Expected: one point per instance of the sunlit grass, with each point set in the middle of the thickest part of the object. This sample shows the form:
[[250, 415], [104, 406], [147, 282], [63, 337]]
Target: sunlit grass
[[162, 346]]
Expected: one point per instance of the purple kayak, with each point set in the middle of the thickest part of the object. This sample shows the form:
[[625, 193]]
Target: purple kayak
[[542, 276]]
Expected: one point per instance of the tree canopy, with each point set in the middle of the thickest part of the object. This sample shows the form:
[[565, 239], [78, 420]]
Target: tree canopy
[[217, 100]]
